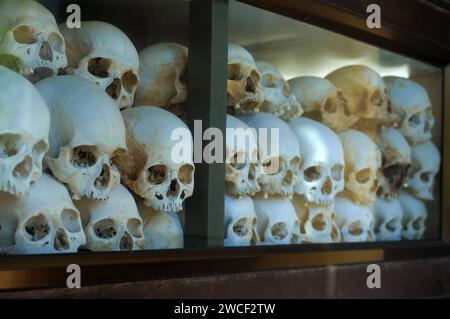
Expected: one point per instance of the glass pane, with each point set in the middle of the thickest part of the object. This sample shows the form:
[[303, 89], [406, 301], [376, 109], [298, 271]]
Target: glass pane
[[359, 137], [85, 144]]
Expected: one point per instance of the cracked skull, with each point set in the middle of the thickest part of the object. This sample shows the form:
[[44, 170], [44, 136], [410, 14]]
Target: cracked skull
[[151, 167], [278, 223], [86, 131], [426, 162], [24, 129], [321, 176], [113, 224], [323, 102], [388, 219], [278, 99], [244, 93], [411, 103], [30, 41], [415, 215], [240, 222], [279, 153], [242, 168], [363, 161], [396, 162], [356, 222], [44, 222], [104, 55]]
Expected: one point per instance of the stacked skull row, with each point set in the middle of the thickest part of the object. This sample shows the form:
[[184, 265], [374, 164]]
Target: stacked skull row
[[356, 161], [65, 144]]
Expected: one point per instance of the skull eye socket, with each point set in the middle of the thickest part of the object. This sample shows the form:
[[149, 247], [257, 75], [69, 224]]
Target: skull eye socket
[[130, 81], [313, 173], [9, 145], [279, 231], [24, 35], [157, 174], [417, 223], [99, 67], [37, 228], [271, 166], [84, 156], [363, 176], [391, 225], [318, 222], [234, 72], [377, 99], [355, 228], [56, 42], [240, 227], [336, 172], [414, 120], [134, 226], [39, 148], [70, 220], [425, 177], [105, 228], [330, 106], [237, 161], [268, 81], [185, 174]]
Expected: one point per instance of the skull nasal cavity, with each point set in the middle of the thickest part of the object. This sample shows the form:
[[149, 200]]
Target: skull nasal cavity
[[103, 180], [126, 242], [46, 52], [327, 187], [61, 241], [114, 89], [318, 222], [250, 85], [173, 188], [23, 169]]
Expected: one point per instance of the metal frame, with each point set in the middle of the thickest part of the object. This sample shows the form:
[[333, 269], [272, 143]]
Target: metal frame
[[204, 227]]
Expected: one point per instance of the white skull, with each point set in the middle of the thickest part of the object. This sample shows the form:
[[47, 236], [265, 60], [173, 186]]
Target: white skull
[[162, 230], [242, 169], [43, 222], [103, 54], [388, 219], [317, 223], [280, 169], [244, 93], [113, 224], [414, 217], [323, 102], [362, 163], [356, 222], [396, 162], [321, 176], [278, 99], [86, 131], [240, 222], [411, 103], [278, 223], [30, 41], [24, 128], [426, 162], [365, 92], [163, 74], [150, 167]]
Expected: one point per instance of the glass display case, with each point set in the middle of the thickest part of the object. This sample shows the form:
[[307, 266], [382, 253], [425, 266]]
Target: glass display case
[[164, 138]]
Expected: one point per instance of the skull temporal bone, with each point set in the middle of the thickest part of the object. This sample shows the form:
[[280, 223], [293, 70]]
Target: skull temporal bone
[[104, 55], [31, 42], [24, 129], [80, 151], [148, 167], [388, 219]]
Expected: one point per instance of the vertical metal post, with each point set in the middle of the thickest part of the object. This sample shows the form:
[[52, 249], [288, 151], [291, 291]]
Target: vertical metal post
[[207, 74], [445, 208]]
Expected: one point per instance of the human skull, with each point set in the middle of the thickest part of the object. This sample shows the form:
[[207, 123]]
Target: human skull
[[317, 223], [86, 131], [278, 99], [279, 154], [362, 163], [356, 222], [365, 92], [388, 219], [113, 224], [43, 222], [426, 162], [278, 223], [244, 93], [411, 103], [104, 55], [162, 230], [396, 162], [151, 167], [321, 176], [323, 102], [163, 74], [240, 222], [414, 217], [242, 169], [30, 41], [24, 128]]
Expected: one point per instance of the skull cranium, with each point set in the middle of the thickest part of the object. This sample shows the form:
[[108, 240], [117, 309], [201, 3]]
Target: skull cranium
[[240, 222]]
